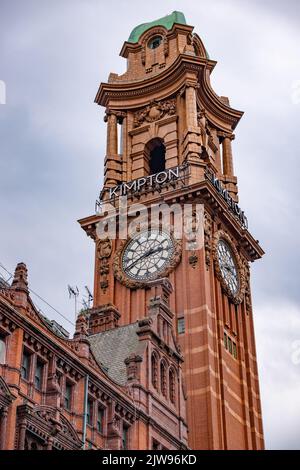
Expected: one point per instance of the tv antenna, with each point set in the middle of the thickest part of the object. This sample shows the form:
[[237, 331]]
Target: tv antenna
[[85, 304], [89, 296], [87, 299], [74, 292]]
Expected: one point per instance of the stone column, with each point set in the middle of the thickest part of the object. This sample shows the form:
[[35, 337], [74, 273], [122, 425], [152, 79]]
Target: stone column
[[112, 133], [3, 424], [191, 139], [191, 105], [22, 433], [112, 164], [227, 155]]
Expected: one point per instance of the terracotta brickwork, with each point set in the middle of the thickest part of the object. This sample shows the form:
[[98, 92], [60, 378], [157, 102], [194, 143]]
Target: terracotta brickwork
[[223, 402], [60, 393], [164, 363]]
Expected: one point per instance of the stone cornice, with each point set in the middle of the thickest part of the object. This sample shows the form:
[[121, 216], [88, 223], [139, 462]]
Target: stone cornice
[[204, 192], [57, 347], [170, 82], [130, 89]]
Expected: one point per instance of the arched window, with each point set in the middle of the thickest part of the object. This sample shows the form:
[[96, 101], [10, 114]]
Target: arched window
[[155, 42], [155, 150], [163, 379], [172, 393], [154, 370]]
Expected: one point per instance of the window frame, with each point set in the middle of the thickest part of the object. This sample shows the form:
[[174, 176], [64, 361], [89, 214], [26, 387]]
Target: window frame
[[68, 385], [39, 362], [181, 325], [90, 411], [28, 354], [153, 40], [230, 345], [3, 339], [125, 432], [100, 411]]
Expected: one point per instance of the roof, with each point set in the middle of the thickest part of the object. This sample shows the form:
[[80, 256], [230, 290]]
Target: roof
[[166, 21], [112, 347], [57, 329]]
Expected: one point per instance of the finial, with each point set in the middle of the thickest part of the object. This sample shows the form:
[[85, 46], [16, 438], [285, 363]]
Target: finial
[[20, 280]]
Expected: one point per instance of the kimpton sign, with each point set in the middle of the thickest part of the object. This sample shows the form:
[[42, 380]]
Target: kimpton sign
[[148, 182], [235, 209]]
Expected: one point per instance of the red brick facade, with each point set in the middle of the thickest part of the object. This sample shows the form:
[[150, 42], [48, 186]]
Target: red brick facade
[[49, 383], [151, 359]]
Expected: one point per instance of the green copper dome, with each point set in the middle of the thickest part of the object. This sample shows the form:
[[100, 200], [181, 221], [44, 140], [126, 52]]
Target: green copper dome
[[166, 21]]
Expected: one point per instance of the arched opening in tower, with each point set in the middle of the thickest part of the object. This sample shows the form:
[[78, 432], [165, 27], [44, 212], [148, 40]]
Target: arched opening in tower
[[157, 155]]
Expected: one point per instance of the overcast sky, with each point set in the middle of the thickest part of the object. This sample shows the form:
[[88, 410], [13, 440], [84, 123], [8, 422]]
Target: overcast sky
[[53, 54]]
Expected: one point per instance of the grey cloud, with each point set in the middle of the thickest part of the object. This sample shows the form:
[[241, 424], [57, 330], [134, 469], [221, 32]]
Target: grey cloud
[[52, 142]]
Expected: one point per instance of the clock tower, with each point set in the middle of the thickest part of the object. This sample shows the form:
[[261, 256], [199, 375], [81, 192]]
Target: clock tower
[[169, 145]]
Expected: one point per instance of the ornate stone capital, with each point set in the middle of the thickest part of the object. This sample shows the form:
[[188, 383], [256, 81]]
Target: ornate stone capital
[[120, 115]]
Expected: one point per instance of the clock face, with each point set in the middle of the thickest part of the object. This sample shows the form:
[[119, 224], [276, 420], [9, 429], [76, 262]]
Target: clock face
[[228, 266], [147, 255]]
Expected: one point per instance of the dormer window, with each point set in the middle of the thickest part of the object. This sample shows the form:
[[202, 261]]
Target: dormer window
[[155, 42]]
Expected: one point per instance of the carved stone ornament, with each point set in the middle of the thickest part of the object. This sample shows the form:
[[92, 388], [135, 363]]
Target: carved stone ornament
[[155, 111], [104, 250], [207, 237], [237, 297], [134, 284], [248, 301], [193, 260]]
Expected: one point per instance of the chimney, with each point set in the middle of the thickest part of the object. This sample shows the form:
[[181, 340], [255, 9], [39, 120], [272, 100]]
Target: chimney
[[20, 281], [103, 318], [20, 286]]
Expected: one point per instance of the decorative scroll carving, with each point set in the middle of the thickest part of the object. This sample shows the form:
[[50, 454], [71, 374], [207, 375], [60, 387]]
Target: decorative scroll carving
[[7, 324], [8, 294], [207, 237], [114, 426], [104, 250], [239, 296], [154, 111], [191, 225], [248, 301], [6, 397], [45, 421], [120, 115]]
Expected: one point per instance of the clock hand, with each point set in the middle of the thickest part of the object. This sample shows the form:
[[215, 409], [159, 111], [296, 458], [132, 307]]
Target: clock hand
[[229, 268], [145, 255]]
